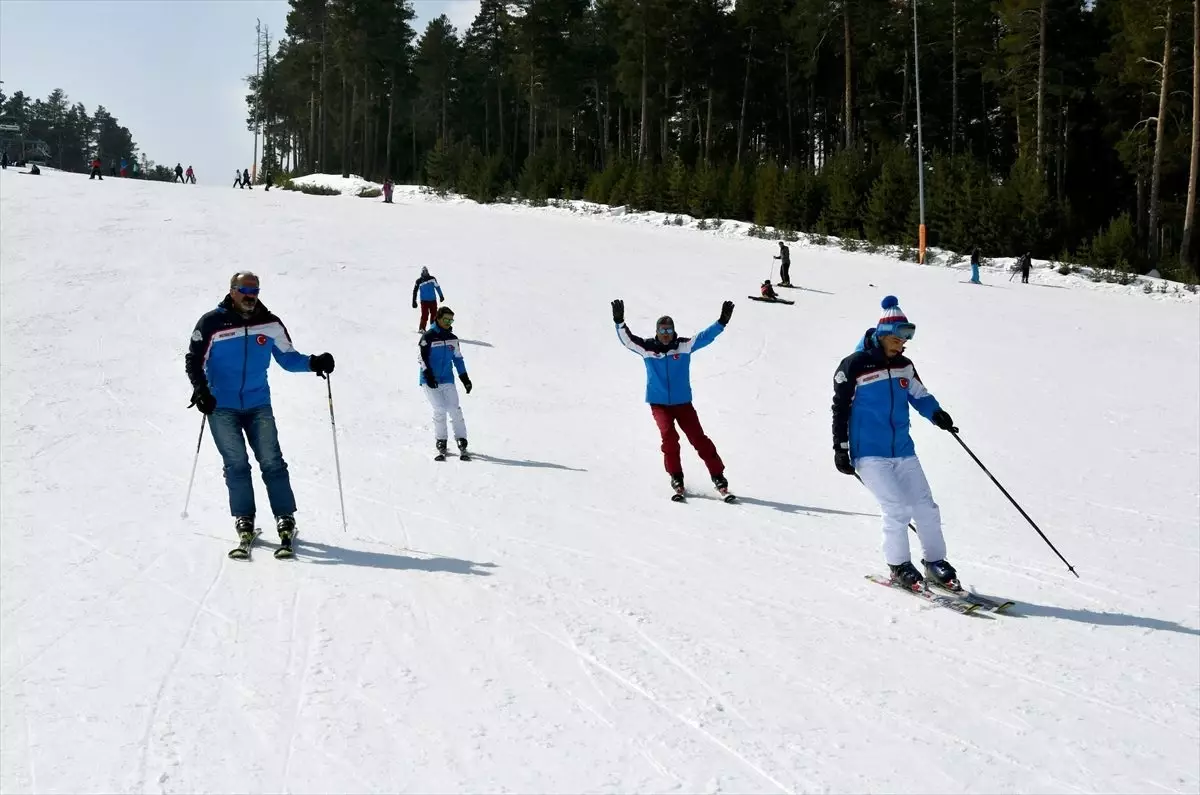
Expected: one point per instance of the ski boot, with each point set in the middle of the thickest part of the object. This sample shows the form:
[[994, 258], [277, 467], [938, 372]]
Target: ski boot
[[722, 486], [462, 449], [942, 574], [677, 485], [244, 525], [907, 575], [286, 525], [441, 450]]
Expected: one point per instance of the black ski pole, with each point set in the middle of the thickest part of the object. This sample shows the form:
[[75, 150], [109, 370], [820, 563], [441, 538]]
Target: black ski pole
[[336, 460], [188, 498], [1033, 524], [911, 526]]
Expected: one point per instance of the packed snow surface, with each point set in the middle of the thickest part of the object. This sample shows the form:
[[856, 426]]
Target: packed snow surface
[[543, 618]]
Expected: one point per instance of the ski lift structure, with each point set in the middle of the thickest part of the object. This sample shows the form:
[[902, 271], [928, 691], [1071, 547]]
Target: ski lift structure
[[19, 148]]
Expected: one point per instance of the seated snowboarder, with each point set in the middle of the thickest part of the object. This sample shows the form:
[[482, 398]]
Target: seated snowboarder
[[768, 292]]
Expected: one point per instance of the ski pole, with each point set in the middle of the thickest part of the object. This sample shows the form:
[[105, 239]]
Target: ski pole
[[336, 460], [1070, 568], [196, 460]]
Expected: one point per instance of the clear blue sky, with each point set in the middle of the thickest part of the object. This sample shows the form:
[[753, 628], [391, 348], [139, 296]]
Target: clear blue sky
[[172, 71]]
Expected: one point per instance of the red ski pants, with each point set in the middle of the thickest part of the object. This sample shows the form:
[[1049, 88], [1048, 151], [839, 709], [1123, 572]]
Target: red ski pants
[[689, 423], [428, 308]]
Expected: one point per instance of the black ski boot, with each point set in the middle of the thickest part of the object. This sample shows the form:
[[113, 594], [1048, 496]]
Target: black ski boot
[[462, 449], [907, 575], [244, 525], [677, 485], [942, 574], [441, 450], [722, 487], [286, 525]]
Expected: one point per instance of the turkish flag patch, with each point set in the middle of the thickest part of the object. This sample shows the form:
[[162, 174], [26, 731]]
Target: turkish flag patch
[[675, 357], [261, 339], [904, 383]]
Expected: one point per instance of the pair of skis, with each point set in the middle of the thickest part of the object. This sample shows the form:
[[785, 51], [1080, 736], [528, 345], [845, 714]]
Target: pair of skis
[[770, 300], [680, 495], [959, 600], [242, 550]]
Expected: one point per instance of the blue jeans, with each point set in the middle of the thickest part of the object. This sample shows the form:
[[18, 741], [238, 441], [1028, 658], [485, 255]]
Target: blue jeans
[[975, 272], [258, 425]]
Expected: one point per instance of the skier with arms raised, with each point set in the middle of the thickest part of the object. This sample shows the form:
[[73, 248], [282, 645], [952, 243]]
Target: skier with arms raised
[[669, 391], [872, 390]]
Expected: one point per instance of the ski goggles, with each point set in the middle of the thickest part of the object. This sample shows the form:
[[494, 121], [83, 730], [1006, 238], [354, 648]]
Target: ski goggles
[[905, 331], [666, 329], [248, 290], [446, 320]]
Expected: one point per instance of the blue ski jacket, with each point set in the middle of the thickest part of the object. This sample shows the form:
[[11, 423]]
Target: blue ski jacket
[[871, 396], [668, 367], [231, 354], [426, 286], [440, 352]]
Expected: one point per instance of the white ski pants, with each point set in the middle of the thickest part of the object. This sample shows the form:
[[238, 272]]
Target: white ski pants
[[903, 493], [444, 399]]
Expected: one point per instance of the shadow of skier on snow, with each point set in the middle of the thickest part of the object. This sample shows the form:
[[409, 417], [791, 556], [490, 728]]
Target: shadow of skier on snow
[[787, 507], [513, 462], [1099, 619], [328, 554]]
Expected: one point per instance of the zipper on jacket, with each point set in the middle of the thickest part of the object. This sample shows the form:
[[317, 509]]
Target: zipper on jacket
[[892, 410], [245, 355], [667, 369]]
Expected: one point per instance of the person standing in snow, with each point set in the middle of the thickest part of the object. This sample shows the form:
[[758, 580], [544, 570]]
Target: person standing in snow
[[430, 292], [124, 166], [785, 265], [975, 266], [179, 175], [872, 390], [189, 176], [387, 190], [1026, 263], [237, 178], [226, 362], [441, 355], [96, 172], [246, 179], [669, 391]]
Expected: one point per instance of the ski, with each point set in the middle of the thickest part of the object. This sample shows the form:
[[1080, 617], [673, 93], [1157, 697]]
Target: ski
[[953, 603], [984, 602], [770, 300], [726, 496], [242, 550], [285, 552], [440, 457], [790, 286], [464, 456]]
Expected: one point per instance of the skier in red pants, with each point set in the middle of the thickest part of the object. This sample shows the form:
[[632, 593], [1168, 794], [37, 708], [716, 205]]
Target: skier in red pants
[[430, 291], [669, 390]]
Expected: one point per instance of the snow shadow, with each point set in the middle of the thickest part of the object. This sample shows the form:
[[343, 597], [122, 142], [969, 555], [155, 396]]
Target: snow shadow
[[1100, 619], [513, 462], [480, 343], [328, 554], [788, 507]]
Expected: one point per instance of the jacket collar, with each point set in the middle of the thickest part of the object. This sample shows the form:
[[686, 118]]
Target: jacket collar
[[259, 313]]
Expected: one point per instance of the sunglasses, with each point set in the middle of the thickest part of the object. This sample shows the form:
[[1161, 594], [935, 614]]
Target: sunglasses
[[447, 319], [248, 290]]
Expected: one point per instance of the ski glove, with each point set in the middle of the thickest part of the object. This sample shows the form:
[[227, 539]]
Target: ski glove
[[841, 460], [414, 304], [430, 380], [466, 381], [726, 313], [321, 363], [203, 400], [943, 421], [618, 308]]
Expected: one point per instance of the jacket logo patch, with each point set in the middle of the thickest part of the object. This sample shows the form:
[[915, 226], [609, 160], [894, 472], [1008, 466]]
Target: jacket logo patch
[[261, 339], [904, 383], [840, 378], [675, 357], [197, 336]]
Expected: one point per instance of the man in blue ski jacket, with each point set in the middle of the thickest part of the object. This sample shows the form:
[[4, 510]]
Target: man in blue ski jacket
[[872, 390], [668, 360], [440, 355], [430, 293], [227, 362]]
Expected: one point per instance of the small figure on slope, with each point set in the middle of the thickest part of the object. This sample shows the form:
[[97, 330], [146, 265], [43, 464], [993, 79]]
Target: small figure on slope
[[669, 390], [441, 355], [872, 390], [430, 292], [768, 292], [975, 266], [785, 265], [227, 361]]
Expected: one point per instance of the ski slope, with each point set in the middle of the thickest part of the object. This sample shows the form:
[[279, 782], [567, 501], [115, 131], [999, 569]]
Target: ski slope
[[543, 618]]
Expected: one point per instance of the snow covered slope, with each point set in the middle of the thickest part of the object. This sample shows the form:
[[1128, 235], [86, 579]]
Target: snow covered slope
[[544, 619]]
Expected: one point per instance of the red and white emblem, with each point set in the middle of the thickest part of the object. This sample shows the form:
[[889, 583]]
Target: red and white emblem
[[675, 357], [261, 339], [904, 383]]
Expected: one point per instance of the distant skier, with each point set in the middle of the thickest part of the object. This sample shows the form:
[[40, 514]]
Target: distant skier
[[430, 293], [179, 175], [96, 169], [441, 355], [227, 362], [872, 390], [189, 176], [387, 191], [4, 160], [246, 179], [1026, 264], [785, 265], [237, 178], [124, 167], [669, 391], [975, 266], [768, 292]]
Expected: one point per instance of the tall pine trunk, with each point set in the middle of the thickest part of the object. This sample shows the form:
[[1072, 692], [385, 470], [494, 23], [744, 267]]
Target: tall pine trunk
[[1041, 88], [1187, 257], [387, 157], [953, 75], [849, 74], [787, 87], [708, 121], [1159, 135], [345, 127], [312, 117], [643, 130], [366, 138], [745, 94]]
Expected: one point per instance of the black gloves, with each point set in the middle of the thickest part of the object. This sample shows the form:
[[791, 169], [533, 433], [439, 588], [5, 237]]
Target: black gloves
[[430, 380], [841, 460], [943, 421], [203, 400], [726, 313], [618, 308], [321, 364], [414, 304], [466, 381]]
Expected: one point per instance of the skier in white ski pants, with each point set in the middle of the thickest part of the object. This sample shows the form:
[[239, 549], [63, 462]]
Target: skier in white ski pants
[[439, 357], [872, 391], [444, 399]]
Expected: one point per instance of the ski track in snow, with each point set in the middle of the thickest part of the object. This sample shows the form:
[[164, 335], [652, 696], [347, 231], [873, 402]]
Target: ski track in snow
[[543, 618]]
